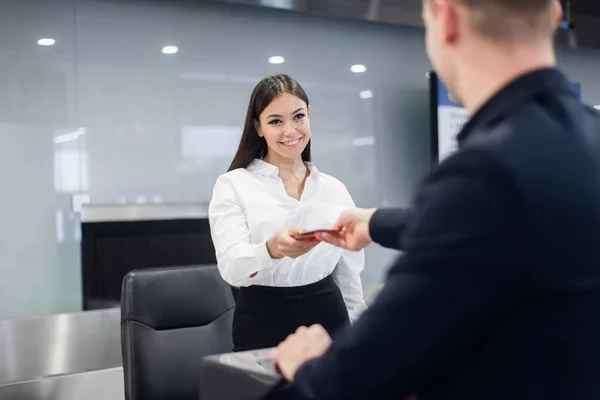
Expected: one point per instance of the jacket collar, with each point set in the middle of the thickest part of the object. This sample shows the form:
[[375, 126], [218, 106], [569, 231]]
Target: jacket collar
[[519, 91]]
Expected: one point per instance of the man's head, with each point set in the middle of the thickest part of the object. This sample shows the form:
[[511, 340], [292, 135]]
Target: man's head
[[460, 32]]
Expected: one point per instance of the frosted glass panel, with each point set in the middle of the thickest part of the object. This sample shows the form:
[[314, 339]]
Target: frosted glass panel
[[103, 116], [39, 168]]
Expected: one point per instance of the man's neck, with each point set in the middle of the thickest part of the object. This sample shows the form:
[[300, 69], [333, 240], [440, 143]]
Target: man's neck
[[494, 69]]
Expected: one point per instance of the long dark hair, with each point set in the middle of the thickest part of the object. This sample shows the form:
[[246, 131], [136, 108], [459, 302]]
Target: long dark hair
[[251, 145]]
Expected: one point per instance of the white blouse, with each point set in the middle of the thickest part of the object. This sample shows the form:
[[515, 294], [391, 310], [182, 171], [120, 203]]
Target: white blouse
[[250, 205]]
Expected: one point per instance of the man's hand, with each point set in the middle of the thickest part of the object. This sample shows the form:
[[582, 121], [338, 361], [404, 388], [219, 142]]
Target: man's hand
[[300, 347], [353, 227]]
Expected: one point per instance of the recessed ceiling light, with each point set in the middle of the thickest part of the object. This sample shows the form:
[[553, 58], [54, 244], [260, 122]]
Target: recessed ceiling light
[[46, 42], [363, 141], [366, 94], [68, 137], [170, 50], [358, 68], [276, 60]]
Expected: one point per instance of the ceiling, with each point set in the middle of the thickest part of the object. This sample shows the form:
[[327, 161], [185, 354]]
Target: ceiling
[[586, 14], [378, 8]]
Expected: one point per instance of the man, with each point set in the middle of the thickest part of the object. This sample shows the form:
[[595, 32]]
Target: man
[[498, 293]]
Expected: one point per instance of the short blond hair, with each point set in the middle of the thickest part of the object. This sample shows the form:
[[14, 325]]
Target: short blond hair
[[510, 19]]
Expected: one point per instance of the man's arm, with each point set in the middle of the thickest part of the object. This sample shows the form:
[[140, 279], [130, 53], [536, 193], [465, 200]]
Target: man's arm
[[459, 278], [387, 227]]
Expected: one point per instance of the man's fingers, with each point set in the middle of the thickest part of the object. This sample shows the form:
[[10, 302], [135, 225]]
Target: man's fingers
[[336, 239], [346, 218], [301, 329], [316, 329], [287, 339], [339, 225]]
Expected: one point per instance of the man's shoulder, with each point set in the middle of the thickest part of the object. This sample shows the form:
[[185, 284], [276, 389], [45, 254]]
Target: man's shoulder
[[540, 149], [538, 132], [553, 122]]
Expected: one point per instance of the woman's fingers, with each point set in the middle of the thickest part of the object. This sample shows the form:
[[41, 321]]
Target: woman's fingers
[[299, 249]]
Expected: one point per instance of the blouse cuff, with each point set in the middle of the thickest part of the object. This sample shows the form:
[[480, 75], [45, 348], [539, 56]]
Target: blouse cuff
[[261, 253]]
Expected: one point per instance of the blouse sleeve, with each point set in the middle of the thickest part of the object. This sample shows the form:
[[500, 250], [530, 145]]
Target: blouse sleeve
[[239, 260], [347, 276], [347, 272]]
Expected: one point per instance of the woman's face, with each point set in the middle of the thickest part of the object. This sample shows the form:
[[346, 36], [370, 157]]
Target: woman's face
[[285, 125]]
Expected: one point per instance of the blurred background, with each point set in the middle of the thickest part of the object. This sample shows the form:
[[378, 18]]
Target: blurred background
[[114, 104]]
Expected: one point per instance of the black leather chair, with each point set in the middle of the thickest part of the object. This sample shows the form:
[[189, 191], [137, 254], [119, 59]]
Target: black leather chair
[[170, 319]]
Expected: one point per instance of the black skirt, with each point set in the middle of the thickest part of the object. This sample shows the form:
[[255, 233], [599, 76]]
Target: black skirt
[[264, 316]]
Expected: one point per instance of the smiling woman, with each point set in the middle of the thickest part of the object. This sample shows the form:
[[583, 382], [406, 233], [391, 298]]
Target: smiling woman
[[270, 193], [262, 128]]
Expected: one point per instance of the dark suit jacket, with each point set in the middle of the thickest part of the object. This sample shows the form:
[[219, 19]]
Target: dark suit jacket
[[498, 293]]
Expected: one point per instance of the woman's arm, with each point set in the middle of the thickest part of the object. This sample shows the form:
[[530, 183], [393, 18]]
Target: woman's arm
[[239, 261]]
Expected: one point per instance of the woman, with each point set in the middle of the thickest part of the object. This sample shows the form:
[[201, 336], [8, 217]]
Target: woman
[[270, 193]]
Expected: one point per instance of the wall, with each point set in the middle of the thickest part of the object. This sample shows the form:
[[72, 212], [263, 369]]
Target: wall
[[105, 114]]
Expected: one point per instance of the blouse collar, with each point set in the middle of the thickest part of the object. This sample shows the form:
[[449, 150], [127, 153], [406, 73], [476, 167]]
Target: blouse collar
[[264, 168]]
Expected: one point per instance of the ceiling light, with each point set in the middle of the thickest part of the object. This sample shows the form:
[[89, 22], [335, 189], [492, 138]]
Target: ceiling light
[[366, 94], [68, 137], [170, 50], [358, 68], [288, 4], [276, 60], [46, 42], [597, 107], [363, 141]]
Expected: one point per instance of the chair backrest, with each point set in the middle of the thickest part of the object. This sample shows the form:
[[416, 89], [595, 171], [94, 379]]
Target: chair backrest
[[170, 319]]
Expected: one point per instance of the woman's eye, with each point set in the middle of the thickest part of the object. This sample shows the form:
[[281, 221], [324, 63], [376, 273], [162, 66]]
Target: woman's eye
[[275, 122], [299, 116]]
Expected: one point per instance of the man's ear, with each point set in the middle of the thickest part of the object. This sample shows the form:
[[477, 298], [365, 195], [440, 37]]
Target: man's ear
[[558, 13], [257, 127], [449, 12]]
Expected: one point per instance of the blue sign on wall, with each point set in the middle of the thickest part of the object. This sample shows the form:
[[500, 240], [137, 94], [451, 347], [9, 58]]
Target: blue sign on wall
[[577, 89]]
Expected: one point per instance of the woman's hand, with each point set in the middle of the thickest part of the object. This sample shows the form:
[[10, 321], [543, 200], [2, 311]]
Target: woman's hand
[[284, 244]]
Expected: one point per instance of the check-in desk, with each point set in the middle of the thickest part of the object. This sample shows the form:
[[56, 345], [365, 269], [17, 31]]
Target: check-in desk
[[106, 384], [238, 376], [61, 344]]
